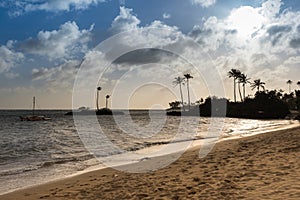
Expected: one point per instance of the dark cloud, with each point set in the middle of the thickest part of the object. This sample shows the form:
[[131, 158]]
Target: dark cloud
[[273, 30], [31, 45], [298, 28], [295, 43], [277, 32], [198, 32], [144, 56], [230, 32]]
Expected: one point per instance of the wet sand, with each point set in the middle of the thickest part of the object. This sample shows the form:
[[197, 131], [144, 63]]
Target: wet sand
[[264, 166]]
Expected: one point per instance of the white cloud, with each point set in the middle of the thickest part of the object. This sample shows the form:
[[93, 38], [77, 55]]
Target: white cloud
[[292, 60], [155, 34], [270, 9], [20, 7], [58, 77], [9, 59], [125, 20], [166, 16], [204, 3], [64, 43]]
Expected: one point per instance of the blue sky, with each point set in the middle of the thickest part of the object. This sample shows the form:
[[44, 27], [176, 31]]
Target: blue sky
[[43, 42]]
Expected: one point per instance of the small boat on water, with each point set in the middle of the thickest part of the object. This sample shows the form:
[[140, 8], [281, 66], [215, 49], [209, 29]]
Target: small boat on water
[[34, 117]]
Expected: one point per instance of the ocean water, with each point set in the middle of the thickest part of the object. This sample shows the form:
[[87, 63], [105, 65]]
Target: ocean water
[[37, 152]]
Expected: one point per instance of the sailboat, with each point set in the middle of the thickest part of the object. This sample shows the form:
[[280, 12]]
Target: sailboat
[[34, 117]]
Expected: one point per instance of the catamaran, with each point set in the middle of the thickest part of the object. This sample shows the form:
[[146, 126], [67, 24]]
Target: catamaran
[[34, 117]]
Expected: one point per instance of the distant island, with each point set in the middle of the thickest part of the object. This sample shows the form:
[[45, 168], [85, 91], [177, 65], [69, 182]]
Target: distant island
[[103, 111]]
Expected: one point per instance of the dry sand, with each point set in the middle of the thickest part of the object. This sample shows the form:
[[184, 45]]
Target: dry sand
[[265, 166]]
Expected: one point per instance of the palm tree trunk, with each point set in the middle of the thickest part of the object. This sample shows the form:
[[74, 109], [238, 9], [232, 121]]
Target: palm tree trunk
[[188, 90], [181, 97], [244, 92], [97, 100], [106, 102], [239, 86], [234, 89]]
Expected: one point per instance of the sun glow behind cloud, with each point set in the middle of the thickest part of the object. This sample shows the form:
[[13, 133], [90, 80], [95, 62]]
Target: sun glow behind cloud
[[246, 20]]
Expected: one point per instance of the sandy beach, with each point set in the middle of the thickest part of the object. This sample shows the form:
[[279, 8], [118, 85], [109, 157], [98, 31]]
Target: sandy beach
[[264, 166]]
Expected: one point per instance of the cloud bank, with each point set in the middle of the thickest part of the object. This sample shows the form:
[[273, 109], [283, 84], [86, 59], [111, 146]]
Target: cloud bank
[[64, 43], [9, 59], [21, 7]]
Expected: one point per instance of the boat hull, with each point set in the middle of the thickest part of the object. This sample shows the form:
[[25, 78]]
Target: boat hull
[[34, 118]]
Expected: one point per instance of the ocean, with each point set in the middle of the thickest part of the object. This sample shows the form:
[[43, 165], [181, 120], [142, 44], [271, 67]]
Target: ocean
[[33, 153]]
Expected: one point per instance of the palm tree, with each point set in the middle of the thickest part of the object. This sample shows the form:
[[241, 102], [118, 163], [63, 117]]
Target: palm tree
[[257, 84], [107, 97], [234, 73], [188, 76], [289, 82], [180, 81], [244, 80], [238, 76], [97, 99]]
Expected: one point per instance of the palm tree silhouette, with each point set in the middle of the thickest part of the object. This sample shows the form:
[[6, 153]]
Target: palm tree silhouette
[[238, 76], [258, 84], [97, 99], [234, 73], [107, 97], [180, 81], [289, 82], [188, 76], [244, 80]]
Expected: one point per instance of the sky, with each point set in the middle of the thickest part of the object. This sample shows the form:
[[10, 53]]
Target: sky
[[60, 51]]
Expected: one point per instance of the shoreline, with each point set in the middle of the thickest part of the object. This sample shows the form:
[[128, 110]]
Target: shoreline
[[84, 180], [189, 144]]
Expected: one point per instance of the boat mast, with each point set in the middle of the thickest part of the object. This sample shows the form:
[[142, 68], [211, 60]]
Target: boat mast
[[33, 108]]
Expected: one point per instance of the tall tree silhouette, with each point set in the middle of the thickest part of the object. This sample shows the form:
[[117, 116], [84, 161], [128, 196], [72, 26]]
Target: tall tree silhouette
[[244, 80], [180, 81], [238, 76], [234, 73], [97, 99], [258, 84], [188, 77], [107, 97], [289, 82]]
